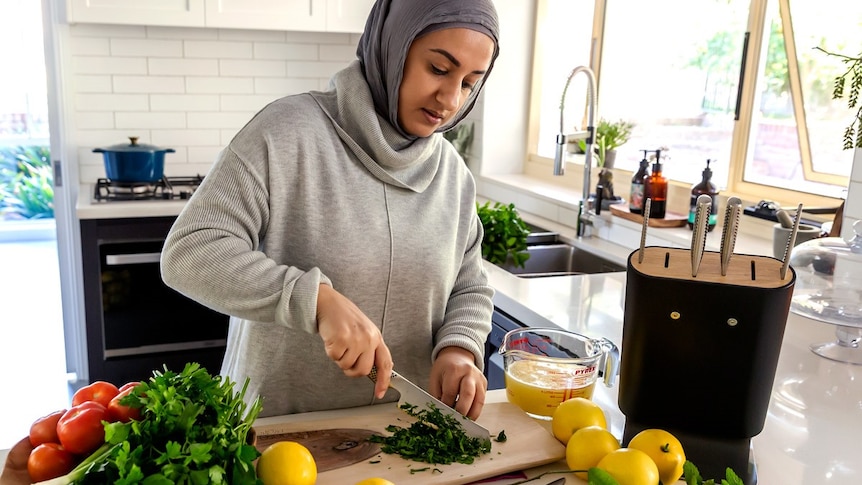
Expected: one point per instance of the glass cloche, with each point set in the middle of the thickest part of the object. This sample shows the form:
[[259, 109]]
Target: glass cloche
[[829, 289]]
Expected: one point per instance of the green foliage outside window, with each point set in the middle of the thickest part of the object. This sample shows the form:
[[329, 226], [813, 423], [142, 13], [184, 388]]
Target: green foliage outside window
[[26, 183]]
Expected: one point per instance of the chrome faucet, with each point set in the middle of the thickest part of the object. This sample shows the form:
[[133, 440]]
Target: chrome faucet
[[585, 216]]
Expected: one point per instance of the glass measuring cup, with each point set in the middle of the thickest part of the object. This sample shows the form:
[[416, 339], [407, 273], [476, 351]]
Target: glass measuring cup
[[546, 366]]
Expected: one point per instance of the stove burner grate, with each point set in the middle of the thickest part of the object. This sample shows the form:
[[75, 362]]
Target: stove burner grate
[[168, 188]]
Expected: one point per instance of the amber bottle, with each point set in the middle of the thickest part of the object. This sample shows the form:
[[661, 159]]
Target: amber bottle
[[655, 189], [704, 187]]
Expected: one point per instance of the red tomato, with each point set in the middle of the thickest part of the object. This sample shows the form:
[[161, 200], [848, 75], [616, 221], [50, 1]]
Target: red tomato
[[120, 412], [81, 430], [49, 460], [99, 391], [44, 429]]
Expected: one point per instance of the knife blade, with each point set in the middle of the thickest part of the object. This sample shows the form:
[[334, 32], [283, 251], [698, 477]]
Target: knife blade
[[416, 396], [698, 237], [728, 234]]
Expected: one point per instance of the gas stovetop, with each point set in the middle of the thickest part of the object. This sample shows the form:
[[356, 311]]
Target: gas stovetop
[[168, 188]]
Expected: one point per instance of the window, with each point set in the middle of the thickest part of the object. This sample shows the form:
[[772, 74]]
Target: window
[[675, 68]]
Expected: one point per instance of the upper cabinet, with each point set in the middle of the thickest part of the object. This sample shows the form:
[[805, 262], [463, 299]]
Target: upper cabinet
[[293, 15], [178, 13], [302, 15], [347, 15]]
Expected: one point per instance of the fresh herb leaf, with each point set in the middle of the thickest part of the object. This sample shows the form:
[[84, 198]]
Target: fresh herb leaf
[[434, 438], [501, 436], [731, 478]]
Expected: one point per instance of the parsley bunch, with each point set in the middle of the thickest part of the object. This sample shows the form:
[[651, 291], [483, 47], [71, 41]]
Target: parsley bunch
[[193, 430], [433, 438]]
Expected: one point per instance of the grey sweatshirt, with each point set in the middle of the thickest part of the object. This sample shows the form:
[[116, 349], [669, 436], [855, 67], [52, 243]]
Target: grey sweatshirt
[[316, 188]]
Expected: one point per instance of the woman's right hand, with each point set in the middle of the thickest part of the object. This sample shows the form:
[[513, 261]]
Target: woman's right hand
[[352, 340]]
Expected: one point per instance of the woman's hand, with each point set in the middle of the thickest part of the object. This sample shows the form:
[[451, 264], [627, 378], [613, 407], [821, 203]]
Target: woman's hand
[[457, 381], [352, 340]]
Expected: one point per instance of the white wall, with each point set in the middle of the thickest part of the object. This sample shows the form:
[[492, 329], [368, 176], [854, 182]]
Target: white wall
[[184, 88]]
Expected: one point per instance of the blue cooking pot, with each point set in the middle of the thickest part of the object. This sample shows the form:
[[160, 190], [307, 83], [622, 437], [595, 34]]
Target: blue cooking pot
[[134, 162]]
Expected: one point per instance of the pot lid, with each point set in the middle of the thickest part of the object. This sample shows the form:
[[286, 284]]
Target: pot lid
[[134, 146], [829, 279]]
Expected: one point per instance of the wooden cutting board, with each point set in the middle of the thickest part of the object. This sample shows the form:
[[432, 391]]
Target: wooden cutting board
[[528, 445], [670, 219]]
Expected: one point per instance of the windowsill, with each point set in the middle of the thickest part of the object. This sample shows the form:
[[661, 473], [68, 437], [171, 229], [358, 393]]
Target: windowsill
[[555, 207]]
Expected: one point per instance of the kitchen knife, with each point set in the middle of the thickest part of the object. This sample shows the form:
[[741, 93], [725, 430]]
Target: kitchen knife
[[644, 229], [728, 234], [791, 241], [416, 396], [698, 237]]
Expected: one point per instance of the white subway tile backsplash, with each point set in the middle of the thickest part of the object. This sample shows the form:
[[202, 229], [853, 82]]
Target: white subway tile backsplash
[[104, 138], [92, 83], [183, 67], [149, 84], [256, 68], [102, 120], [203, 155], [317, 38], [217, 49], [188, 138], [286, 52], [218, 119], [108, 65], [220, 85], [146, 47], [314, 69], [91, 46], [284, 86], [184, 102], [246, 103], [180, 33], [107, 31], [252, 35], [139, 121], [111, 102], [342, 53], [185, 88]]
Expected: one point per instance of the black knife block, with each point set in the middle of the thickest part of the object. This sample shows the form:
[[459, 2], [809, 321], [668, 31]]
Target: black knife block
[[699, 353]]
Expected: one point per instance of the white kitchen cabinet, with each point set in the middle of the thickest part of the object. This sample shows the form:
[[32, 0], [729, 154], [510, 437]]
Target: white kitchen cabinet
[[184, 13], [298, 15], [293, 15], [347, 15]]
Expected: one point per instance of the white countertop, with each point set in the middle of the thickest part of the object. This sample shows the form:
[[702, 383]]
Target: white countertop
[[86, 207], [815, 413]]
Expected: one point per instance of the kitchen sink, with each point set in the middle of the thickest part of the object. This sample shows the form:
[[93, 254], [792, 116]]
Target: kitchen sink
[[560, 260]]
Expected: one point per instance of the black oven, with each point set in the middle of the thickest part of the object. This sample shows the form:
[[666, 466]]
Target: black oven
[[134, 323]]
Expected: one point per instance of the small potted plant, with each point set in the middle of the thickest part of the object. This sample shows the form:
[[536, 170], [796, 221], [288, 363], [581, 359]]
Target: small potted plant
[[505, 240], [610, 135]]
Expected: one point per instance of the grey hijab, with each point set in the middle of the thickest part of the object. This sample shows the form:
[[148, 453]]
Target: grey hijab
[[391, 28]]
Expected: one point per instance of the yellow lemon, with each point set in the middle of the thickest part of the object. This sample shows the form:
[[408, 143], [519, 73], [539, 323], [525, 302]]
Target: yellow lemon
[[286, 463], [664, 449], [629, 466], [375, 481], [574, 414], [587, 446]]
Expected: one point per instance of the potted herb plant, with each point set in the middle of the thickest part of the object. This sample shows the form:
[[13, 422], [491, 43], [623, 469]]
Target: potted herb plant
[[610, 135], [506, 234]]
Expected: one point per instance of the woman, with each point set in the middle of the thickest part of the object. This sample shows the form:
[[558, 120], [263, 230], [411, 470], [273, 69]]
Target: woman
[[339, 229]]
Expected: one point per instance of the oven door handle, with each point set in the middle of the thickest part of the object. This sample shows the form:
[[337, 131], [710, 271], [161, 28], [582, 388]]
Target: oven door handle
[[136, 258]]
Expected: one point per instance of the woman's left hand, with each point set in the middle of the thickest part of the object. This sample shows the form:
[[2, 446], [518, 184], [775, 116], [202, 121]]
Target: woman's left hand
[[457, 381]]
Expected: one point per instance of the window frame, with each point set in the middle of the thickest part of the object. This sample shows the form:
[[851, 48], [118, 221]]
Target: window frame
[[736, 184]]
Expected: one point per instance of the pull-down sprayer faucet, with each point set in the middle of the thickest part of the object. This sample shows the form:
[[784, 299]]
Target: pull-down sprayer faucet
[[584, 214]]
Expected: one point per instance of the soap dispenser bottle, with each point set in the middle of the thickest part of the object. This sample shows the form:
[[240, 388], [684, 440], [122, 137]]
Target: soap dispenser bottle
[[636, 194], [705, 186], [655, 189]]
